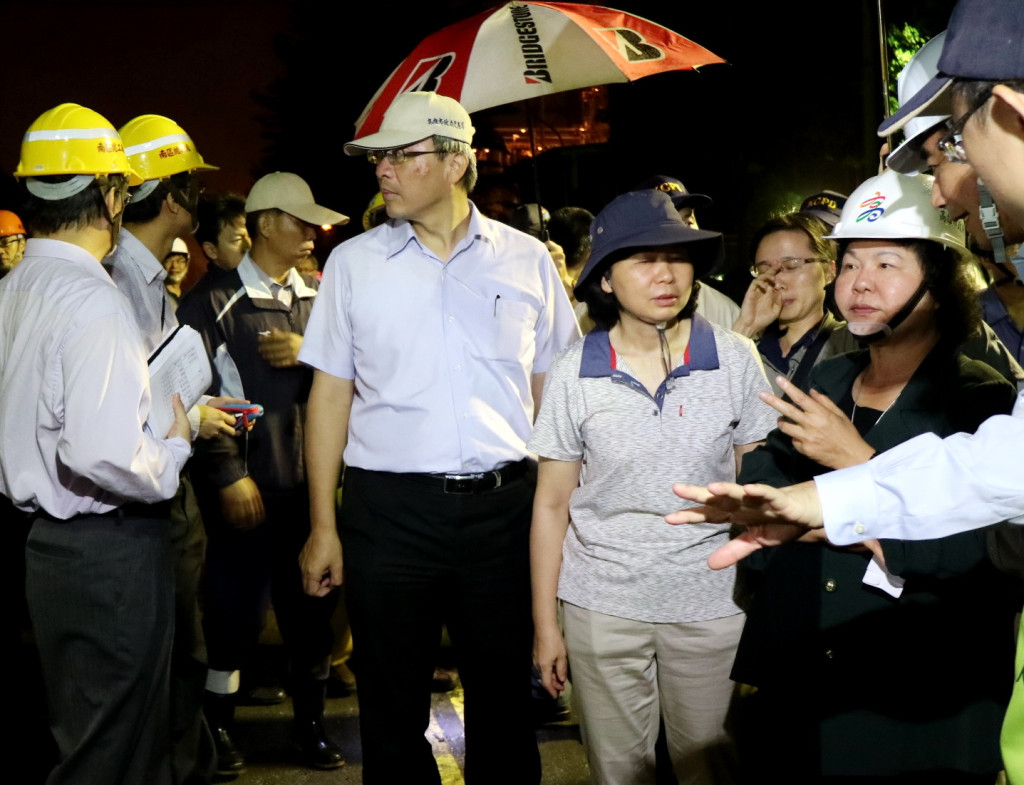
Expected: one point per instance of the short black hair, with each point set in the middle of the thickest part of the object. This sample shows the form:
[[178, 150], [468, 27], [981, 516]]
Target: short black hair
[[947, 278], [215, 212], [48, 216], [973, 91], [814, 228], [603, 307], [252, 223], [143, 211], [570, 228]]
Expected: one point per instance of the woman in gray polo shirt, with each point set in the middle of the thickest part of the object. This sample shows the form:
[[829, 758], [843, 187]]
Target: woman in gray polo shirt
[[653, 394]]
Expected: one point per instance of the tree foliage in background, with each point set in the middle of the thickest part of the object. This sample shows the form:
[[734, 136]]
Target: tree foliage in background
[[903, 44]]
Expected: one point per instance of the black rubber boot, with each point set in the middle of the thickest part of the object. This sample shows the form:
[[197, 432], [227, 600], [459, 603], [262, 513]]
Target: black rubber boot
[[308, 732], [220, 716]]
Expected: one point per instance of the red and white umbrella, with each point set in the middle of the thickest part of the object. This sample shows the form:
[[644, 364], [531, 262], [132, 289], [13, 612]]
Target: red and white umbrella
[[528, 49]]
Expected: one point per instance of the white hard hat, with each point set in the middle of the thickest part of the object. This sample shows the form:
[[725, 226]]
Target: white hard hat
[[894, 206], [921, 69]]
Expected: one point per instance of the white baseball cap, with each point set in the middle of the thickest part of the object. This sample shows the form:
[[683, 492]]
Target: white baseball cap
[[291, 194], [413, 117]]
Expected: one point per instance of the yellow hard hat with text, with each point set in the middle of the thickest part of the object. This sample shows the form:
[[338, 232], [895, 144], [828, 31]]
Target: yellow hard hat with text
[[158, 147], [71, 139]]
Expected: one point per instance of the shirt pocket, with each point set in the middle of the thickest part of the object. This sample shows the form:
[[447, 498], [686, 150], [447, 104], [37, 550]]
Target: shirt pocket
[[507, 331]]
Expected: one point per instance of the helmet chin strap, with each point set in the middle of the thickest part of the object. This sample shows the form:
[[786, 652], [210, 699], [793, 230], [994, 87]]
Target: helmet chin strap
[[189, 199], [872, 332], [666, 351], [1012, 267], [119, 185]]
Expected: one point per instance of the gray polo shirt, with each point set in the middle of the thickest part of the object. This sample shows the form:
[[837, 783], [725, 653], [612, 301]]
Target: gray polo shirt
[[619, 556]]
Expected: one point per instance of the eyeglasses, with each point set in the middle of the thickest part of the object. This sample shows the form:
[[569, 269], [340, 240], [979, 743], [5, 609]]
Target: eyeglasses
[[395, 157], [766, 267], [952, 143], [13, 239]]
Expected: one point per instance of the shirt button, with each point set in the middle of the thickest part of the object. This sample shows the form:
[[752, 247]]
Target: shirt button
[[859, 527], [655, 412], [457, 367], [830, 585], [451, 318]]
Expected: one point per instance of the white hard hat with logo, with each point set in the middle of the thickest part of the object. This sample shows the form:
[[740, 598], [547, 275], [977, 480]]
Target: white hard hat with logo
[[894, 206]]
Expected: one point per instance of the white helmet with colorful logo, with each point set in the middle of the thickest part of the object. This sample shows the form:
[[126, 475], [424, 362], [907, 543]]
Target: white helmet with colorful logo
[[894, 206]]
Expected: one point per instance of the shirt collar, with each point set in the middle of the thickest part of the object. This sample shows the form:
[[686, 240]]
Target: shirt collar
[[138, 254], [58, 249], [702, 350], [768, 344], [257, 283], [992, 308], [401, 234]]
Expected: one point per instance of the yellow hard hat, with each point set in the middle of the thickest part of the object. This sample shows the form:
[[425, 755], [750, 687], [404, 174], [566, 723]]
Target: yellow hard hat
[[70, 139], [371, 216], [158, 147]]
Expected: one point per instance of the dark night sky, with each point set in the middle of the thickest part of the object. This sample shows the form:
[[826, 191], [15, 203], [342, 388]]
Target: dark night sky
[[197, 63], [793, 111]]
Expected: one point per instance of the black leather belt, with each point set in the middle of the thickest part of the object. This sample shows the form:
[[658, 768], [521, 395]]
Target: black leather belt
[[157, 510], [478, 482]]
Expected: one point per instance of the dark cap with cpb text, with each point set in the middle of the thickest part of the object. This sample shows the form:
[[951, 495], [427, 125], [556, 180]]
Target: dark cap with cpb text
[[676, 191], [826, 206]]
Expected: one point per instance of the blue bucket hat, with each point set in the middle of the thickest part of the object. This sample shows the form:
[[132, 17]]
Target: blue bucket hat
[[645, 219]]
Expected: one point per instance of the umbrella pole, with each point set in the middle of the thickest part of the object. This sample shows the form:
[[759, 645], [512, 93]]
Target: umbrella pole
[[536, 172], [883, 50]]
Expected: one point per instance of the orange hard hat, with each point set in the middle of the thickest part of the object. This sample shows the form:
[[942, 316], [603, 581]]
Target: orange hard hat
[[10, 224]]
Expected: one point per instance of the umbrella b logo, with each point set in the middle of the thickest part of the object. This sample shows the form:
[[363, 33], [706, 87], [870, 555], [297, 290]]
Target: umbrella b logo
[[426, 74], [633, 46]]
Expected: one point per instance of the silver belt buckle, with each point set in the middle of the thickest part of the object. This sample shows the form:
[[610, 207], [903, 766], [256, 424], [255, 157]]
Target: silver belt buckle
[[460, 483]]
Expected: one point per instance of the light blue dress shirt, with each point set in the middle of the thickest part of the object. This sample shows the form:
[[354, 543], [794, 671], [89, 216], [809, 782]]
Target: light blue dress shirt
[[442, 354]]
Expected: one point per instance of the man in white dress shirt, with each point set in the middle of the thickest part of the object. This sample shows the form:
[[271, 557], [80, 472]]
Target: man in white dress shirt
[[162, 209], [76, 452], [430, 340]]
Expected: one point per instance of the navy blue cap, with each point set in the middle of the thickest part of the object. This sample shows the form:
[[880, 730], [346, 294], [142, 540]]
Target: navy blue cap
[[984, 41], [641, 220], [676, 190], [826, 206]]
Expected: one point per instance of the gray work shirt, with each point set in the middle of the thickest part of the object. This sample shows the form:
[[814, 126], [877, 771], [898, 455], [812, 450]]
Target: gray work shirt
[[619, 556]]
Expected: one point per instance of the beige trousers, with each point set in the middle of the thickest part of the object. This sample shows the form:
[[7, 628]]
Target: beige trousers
[[626, 675]]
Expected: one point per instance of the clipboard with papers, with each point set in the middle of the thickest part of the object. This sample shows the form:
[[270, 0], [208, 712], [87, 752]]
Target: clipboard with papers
[[178, 365]]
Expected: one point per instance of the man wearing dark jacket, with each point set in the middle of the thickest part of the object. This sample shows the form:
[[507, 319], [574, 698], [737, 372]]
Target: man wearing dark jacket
[[252, 490]]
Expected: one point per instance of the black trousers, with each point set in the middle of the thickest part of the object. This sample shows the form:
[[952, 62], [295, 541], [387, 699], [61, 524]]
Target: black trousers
[[193, 755], [245, 569], [417, 558], [101, 595]]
